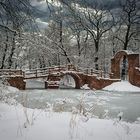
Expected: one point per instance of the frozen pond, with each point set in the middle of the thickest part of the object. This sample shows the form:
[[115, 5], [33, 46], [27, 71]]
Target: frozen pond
[[96, 103]]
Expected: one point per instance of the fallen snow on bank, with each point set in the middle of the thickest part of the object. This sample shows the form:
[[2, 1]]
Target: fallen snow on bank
[[85, 87], [18, 123], [122, 86], [4, 90]]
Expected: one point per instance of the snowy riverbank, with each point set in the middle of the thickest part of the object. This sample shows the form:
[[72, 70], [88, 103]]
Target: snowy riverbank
[[5, 90], [20, 123], [122, 86]]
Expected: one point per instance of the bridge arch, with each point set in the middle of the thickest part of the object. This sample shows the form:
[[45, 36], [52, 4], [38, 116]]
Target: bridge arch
[[130, 59], [122, 63], [77, 79]]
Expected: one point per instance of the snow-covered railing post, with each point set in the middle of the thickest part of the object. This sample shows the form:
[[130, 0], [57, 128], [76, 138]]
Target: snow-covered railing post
[[23, 73], [91, 71], [101, 73], [59, 68], [36, 73], [86, 71], [69, 66]]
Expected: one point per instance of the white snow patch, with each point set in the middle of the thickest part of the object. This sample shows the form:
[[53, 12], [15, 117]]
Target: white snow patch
[[137, 68], [122, 86], [85, 86]]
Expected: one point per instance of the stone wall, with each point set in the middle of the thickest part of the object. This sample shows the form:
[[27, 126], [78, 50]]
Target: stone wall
[[81, 79], [136, 78], [97, 83], [101, 83]]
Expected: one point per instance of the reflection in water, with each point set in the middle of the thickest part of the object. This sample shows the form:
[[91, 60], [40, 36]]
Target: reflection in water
[[99, 103]]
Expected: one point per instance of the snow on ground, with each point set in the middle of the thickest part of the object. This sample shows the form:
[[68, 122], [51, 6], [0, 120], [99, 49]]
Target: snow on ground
[[7, 89], [85, 86], [18, 123], [122, 86]]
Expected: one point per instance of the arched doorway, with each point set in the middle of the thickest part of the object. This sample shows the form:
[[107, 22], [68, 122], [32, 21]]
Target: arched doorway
[[123, 65], [124, 68]]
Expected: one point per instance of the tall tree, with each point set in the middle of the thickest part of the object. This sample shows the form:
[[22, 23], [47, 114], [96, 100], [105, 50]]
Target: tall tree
[[97, 20], [58, 15], [129, 21]]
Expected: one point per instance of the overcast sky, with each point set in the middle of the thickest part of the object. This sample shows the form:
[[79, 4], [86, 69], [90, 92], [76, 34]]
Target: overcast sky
[[42, 12]]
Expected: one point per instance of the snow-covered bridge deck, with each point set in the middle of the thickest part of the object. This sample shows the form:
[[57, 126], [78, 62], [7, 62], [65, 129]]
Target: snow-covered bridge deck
[[44, 72]]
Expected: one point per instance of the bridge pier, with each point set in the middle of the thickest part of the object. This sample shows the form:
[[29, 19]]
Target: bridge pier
[[46, 84], [17, 82]]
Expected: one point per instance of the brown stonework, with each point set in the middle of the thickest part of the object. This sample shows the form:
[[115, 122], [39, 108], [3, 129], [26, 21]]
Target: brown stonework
[[53, 78], [94, 82], [133, 63], [17, 82], [80, 79], [136, 79], [98, 83]]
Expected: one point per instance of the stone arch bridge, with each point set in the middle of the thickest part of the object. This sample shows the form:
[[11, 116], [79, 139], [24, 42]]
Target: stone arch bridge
[[93, 78], [53, 75]]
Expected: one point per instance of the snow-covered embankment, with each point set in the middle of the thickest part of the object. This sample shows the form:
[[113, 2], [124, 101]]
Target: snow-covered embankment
[[122, 86], [19, 123]]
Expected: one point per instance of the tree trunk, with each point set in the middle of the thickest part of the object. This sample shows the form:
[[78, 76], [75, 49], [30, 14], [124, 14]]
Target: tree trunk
[[127, 38], [96, 58], [61, 42], [79, 46], [5, 50], [10, 62]]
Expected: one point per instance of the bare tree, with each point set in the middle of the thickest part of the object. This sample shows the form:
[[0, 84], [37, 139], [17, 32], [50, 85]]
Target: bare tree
[[58, 17], [129, 21], [97, 20], [14, 14]]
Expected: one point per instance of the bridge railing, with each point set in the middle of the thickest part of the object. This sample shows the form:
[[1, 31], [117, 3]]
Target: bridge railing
[[43, 71], [92, 71], [11, 72], [35, 73]]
